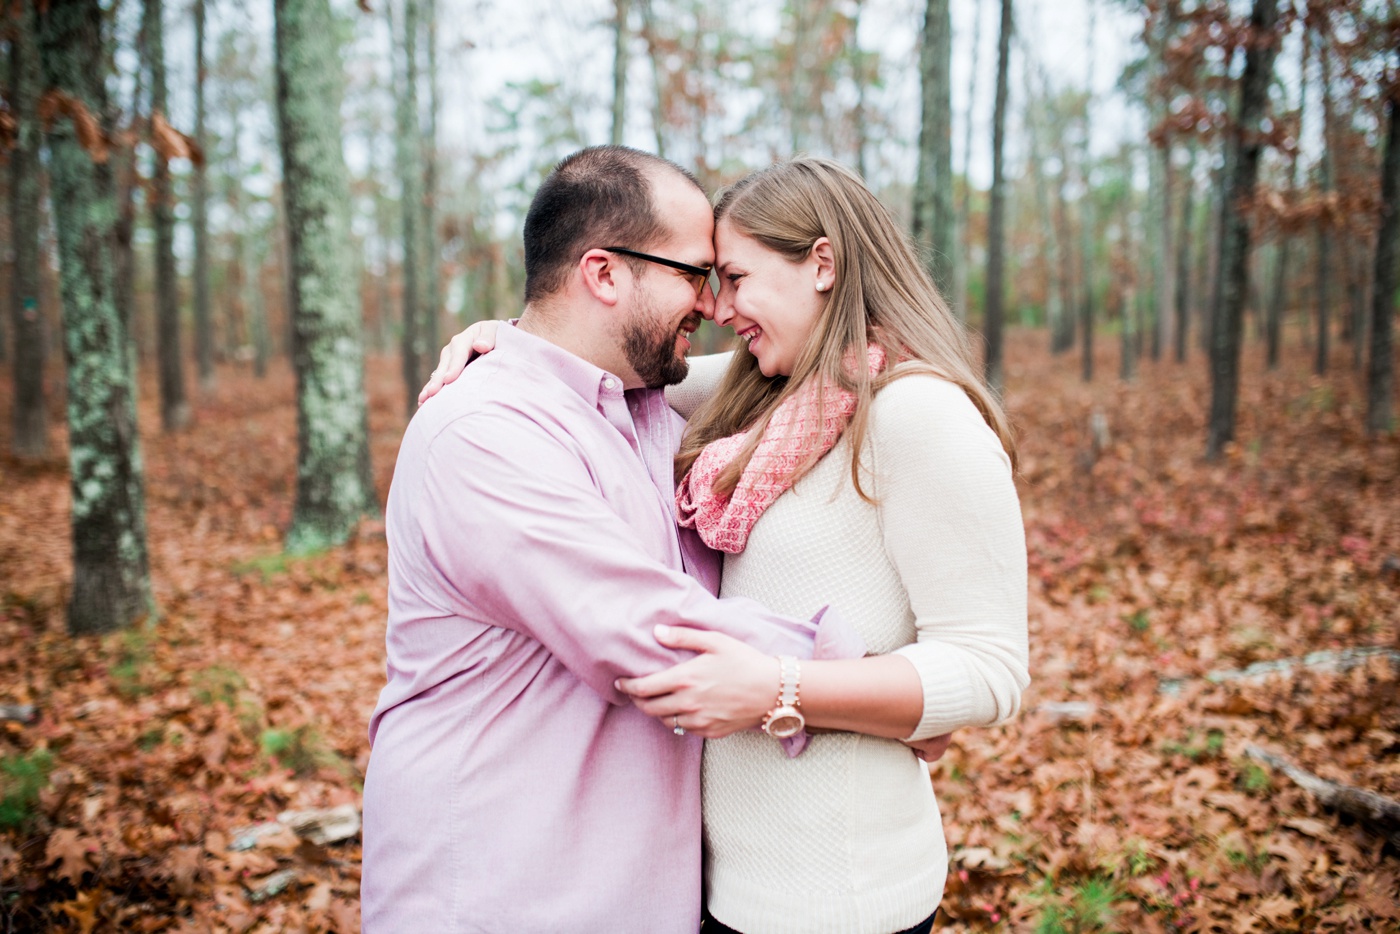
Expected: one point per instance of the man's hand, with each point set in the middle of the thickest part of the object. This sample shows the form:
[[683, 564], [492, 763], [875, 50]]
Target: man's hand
[[725, 688], [477, 339], [932, 749]]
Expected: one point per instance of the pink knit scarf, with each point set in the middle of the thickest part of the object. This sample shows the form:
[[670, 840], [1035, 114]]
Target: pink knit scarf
[[812, 418]]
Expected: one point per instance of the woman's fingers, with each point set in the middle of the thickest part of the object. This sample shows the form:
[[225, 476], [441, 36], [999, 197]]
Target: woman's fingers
[[477, 339], [694, 640]]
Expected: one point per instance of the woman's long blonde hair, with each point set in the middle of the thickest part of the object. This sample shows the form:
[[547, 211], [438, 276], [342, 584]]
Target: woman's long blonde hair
[[882, 294]]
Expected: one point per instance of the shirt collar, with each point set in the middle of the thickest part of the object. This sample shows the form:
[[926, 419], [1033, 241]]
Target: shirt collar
[[589, 381]]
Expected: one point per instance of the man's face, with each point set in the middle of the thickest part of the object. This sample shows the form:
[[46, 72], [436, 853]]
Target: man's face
[[666, 309]]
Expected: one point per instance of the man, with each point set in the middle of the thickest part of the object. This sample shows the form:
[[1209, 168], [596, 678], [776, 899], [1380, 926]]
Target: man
[[532, 552]]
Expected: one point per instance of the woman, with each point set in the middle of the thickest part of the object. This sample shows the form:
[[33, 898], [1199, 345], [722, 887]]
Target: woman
[[851, 457]]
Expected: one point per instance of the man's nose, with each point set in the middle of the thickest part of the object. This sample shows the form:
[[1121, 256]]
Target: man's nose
[[705, 302]]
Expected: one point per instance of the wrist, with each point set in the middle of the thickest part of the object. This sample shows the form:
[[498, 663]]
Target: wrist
[[785, 718]]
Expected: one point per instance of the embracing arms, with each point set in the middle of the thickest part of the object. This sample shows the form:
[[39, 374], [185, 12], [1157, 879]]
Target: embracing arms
[[952, 528]]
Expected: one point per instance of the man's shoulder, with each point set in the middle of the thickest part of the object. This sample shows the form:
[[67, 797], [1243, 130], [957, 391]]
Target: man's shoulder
[[499, 395]]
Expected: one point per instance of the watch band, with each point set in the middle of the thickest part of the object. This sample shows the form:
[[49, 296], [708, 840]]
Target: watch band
[[786, 719]]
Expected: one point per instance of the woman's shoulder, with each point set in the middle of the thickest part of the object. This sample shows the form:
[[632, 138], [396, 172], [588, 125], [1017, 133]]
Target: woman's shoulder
[[929, 416], [918, 394]]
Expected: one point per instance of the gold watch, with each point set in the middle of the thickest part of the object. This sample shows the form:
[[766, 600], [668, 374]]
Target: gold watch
[[786, 719]]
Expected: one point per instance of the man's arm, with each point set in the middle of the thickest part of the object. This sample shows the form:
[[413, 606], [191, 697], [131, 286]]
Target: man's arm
[[521, 537]]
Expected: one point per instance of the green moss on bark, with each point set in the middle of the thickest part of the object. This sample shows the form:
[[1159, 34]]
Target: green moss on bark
[[111, 585], [334, 485]]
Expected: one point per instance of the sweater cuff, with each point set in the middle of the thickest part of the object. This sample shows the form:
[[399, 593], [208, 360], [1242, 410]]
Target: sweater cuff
[[949, 695]]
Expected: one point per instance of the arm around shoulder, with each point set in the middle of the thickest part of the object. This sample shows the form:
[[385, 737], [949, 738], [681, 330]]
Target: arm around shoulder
[[951, 521], [700, 383]]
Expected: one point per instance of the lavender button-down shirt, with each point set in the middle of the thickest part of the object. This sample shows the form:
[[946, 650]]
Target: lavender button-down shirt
[[532, 549]]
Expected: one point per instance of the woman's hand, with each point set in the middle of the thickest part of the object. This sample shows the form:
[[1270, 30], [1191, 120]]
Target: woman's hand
[[931, 749], [725, 688], [479, 338]]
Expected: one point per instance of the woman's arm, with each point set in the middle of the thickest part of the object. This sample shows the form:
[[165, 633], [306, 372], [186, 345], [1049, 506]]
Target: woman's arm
[[699, 384], [952, 526]]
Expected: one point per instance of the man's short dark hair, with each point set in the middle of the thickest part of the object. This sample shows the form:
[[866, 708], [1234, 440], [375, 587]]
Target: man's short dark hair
[[597, 197]]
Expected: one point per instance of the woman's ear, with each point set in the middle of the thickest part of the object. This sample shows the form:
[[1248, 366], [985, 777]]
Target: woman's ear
[[824, 260], [598, 269]]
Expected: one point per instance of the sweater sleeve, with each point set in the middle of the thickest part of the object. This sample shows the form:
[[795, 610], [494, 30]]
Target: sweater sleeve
[[951, 524], [699, 384]]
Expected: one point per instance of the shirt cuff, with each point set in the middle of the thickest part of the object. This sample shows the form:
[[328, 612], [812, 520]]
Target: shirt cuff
[[835, 639]]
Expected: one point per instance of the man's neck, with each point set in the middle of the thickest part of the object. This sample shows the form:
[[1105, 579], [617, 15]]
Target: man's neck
[[579, 338]]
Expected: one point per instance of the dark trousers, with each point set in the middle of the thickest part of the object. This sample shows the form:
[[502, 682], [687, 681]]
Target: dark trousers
[[711, 926]]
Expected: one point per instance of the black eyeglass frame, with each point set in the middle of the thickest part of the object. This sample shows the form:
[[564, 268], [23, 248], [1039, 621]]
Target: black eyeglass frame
[[703, 272]]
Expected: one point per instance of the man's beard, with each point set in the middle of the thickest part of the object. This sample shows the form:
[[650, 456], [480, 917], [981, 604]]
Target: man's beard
[[650, 346]]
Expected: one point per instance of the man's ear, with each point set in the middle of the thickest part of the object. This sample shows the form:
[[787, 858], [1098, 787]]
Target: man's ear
[[599, 268], [825, 258]]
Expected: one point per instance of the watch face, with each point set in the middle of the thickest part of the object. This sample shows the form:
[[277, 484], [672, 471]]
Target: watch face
[[785, 723]]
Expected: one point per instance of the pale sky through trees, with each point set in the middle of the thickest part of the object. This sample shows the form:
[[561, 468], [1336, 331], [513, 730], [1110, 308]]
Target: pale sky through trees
[[485, 45]]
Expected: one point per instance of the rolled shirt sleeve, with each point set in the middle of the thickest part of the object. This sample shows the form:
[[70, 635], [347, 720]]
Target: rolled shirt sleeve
[[591, 594]]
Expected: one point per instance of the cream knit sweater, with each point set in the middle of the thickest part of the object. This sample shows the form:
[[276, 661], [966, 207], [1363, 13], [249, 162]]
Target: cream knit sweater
[[846, 838]]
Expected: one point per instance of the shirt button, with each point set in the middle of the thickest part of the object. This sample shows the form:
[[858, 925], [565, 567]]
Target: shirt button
[[610, 383]]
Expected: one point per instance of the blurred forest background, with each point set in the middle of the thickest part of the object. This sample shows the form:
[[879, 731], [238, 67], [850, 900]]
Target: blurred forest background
[[236, 236]]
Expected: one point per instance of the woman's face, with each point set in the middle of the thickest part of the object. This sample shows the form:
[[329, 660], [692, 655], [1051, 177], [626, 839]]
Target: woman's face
[[769, 301]]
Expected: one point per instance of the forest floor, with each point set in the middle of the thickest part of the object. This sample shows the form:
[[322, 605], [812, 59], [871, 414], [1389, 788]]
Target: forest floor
[[154, 749]]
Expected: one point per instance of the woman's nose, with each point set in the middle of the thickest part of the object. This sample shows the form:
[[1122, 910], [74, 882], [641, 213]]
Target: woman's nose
[[723, 311]]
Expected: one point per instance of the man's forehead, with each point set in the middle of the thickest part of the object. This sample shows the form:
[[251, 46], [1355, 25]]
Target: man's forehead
[[686, 212]]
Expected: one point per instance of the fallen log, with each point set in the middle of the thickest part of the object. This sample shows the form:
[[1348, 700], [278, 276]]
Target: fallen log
[[1327, 660], [1375, 812]]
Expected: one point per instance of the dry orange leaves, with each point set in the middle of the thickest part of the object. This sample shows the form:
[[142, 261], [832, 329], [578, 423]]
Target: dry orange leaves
[[1108, 805]]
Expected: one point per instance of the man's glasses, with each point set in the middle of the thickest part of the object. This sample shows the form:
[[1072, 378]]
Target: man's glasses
[[700, 274]]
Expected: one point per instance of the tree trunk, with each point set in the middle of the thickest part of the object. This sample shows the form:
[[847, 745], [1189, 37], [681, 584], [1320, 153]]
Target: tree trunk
[[621, 35], [1380, 368], [996, 216], [1086, 219], [1323, 347], [334, 484], [1055, 309], [409, 154], [203, 322], [1182, 295], [658, 107], [432, 250], [1243, 147], [963, 267], [859, 123], [1273, 324], [174, 406], [31, 422], [1159, 183], [933, 188], [111, 581]]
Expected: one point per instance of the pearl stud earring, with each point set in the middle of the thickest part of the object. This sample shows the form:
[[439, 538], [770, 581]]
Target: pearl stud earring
[[821, 286]]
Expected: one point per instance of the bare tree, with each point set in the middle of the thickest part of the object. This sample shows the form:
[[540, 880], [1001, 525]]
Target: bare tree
[[996, 217], [174, 403], [31, 421], [111, 577], [1380, 368], [1244, 144], [621, 35], [334, 484], [933, 187], [203, 322]]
